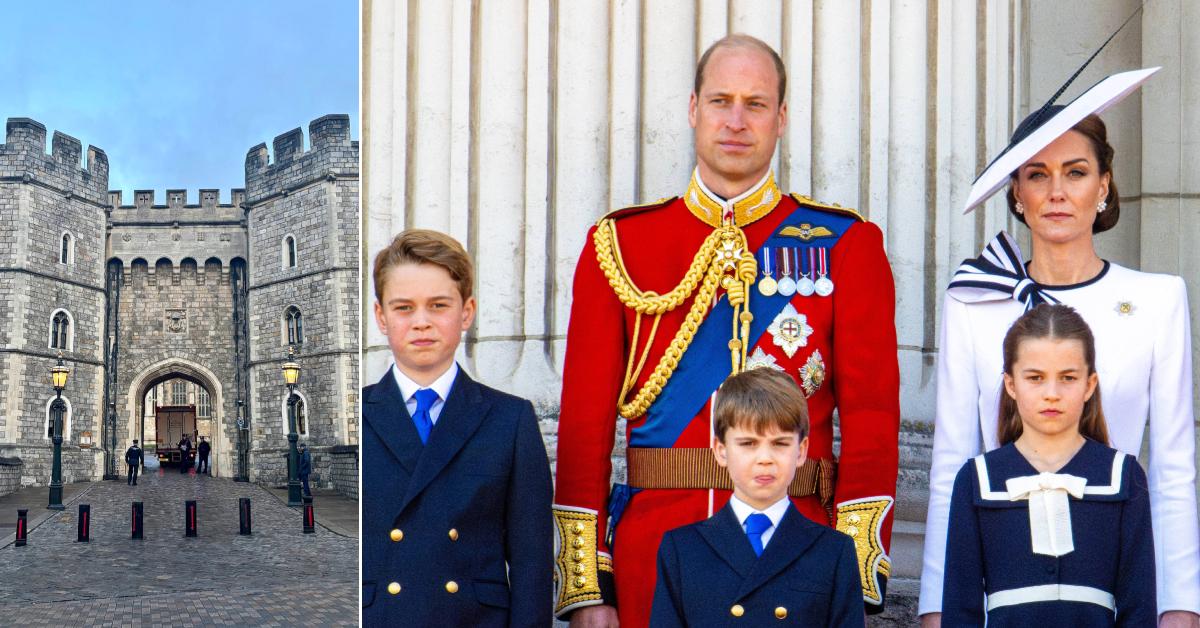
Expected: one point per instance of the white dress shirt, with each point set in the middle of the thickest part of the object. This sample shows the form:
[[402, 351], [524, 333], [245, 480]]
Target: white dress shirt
[[441, 386], [1144, 360], [774, 512]]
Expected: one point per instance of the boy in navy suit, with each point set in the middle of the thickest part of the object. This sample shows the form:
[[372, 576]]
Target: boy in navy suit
[[758, 560], [456, 497]]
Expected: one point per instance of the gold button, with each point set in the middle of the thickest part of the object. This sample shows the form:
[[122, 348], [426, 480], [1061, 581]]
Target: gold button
[[852, 531], [397, 535], [394, 588], [578, 542], [737, 610], [780, 612], [453, 534], [578, 556], [580, 582], [579, 569], [854, 518], [452, 586], [577, 528]]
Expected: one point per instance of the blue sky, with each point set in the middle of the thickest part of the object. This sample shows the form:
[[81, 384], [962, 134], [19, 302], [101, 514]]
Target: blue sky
[[176, 92]]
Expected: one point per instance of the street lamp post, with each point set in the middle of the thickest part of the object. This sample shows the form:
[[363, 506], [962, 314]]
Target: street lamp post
[[58, 377], [291, 374], [243, 443]]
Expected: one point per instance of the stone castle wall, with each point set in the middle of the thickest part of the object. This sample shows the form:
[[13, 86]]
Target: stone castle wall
[[311, 196]]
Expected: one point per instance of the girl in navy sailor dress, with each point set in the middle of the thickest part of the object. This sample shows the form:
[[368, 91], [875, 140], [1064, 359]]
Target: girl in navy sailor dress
[[1053, 528]]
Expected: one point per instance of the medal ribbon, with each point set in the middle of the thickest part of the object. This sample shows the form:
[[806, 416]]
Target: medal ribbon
[[766, 258], [704, 366], [824, 269], [786, 269]]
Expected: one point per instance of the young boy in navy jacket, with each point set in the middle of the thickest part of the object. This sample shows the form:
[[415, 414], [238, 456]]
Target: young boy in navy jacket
[[758, 560], [456, 483]]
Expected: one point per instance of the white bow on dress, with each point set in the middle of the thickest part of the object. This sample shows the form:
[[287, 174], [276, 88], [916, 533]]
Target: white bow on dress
[[1049, 510]]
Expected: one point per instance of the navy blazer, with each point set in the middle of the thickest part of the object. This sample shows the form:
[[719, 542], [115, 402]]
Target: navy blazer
[[456, 532], [708, 575], [989, 550]]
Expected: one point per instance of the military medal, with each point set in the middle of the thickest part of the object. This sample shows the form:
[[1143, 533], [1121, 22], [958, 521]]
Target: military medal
[[824, 284], [767, 285], [805, 286], [787, 285]]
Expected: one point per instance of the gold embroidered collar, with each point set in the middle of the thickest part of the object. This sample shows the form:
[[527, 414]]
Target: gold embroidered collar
[[741, 210]]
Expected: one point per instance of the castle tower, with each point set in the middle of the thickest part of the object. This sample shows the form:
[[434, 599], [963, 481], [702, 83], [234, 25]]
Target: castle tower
[[52, 298], [303, 228]]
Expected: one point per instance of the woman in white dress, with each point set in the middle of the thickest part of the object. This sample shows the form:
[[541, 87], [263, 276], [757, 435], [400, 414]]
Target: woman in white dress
[[1065, 194]]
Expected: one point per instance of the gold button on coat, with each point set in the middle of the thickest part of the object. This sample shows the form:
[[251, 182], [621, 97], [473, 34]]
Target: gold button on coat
[[394, 588], [452, 586], [453, 534], [737, 610], [396, 535], [780, 612]]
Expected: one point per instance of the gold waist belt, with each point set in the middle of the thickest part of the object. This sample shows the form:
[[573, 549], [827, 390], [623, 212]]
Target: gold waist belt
[[696, 467]]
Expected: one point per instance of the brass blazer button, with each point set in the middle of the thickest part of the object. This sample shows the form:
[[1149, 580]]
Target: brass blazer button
[[396, 534], [737, 610], [394, 588]]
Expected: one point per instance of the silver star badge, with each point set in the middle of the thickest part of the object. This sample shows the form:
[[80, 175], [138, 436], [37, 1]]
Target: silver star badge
[[790, 330], [761, 360]]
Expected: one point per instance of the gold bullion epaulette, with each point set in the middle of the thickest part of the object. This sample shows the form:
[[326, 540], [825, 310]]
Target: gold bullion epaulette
[[834, 207], [637, 209]]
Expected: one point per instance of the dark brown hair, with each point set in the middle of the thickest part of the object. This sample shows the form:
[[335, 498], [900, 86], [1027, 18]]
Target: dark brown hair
[[422, 246], [741, 40], [760, 399], [1054, 322], [1092, 128]]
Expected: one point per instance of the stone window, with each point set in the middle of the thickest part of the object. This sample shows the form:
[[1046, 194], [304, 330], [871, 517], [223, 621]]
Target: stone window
[[293, 322], [203, 403], [66, 426], [289, 251], [178, 393], [66, 253], [62, 337]]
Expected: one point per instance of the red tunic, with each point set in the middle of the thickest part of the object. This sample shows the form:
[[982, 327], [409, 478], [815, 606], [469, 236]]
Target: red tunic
[[853, 329]]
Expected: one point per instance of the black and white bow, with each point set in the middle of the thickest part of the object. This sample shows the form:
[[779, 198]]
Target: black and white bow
[[997, 274]]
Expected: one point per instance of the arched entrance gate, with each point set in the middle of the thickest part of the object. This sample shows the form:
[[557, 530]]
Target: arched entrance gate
[[222, 460]]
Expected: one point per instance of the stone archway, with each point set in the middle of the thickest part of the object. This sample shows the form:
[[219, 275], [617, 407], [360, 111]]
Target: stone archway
[[179, 368]]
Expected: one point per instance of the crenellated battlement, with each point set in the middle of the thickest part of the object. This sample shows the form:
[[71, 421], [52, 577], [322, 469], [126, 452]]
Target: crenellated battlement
[[209, 198], [25, 138], [330, 152]]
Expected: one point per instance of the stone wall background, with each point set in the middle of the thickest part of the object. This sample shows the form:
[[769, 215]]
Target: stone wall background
[[513, 125]]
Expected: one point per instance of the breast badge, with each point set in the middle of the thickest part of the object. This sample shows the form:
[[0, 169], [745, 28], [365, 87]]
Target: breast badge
[[812, 374], [790, 330], [762, 360]]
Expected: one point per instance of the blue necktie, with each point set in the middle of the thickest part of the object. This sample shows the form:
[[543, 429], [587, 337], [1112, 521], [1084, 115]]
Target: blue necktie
[[756, 524], [421, 418]]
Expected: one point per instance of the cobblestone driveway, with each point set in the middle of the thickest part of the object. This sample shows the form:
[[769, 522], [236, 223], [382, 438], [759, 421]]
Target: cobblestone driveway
[[277, 577]]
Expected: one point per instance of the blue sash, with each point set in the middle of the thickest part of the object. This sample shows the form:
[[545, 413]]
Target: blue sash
[[705, 365]]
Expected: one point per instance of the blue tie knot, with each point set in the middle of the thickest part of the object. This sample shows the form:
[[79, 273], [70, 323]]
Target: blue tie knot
[[425, 398], [756, 524], [422, 418]]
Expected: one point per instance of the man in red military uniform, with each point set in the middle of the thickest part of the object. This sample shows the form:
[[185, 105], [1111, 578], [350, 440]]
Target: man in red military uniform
[[671, 298]]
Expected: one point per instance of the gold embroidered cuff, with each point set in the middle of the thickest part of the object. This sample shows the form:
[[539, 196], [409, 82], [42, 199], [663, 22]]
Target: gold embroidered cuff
[[862, 519], [577, 562]]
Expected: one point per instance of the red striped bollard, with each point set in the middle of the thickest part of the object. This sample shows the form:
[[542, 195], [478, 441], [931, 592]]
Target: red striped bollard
[[22, 527], [244, 516], [136, 521], [189, 518], [85, 524], [309, 522]]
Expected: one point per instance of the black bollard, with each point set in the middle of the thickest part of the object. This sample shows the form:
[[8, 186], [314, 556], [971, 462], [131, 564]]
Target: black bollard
[[309, 523], [137, 517], [85, 523], [189, 519], [22, 527], [244, 516]]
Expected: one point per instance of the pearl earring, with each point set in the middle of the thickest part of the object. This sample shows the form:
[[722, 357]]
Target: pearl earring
[[1101, 206], [1020, 208]]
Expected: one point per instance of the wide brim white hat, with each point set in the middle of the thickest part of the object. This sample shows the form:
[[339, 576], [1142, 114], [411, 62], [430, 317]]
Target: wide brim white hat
[[1048, 124]]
